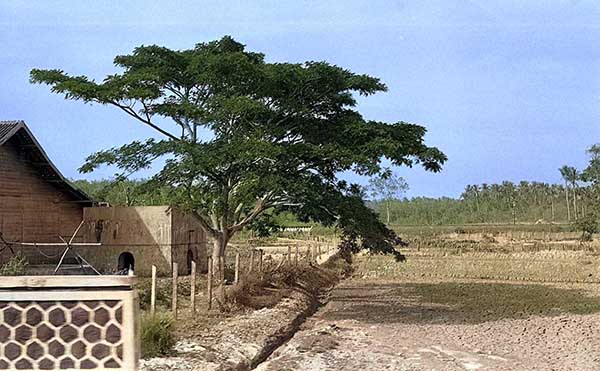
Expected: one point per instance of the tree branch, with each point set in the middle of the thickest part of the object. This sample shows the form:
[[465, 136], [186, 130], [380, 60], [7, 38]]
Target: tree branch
[[201, 219], [259, 208], [134, 114]]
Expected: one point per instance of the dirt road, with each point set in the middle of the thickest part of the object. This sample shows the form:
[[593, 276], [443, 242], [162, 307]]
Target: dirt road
[[393, 325]]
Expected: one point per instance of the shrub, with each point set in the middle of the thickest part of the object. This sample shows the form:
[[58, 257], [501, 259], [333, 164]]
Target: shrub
[[15, 266], [588, 225], [157, 335], [163, 293]]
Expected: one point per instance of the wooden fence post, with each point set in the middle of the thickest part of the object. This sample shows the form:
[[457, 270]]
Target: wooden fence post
[[251, 261], [153, 292], [236, 278], [289, 255], [174, 302], [296, 257], [222, 269], [193, 287], [260, 262], [209, 282]]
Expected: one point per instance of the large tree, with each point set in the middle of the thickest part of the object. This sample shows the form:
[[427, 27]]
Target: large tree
[[387, 187], [275, 136]]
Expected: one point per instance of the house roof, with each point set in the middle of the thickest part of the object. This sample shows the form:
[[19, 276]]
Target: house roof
[[7, 128], [19, 133]]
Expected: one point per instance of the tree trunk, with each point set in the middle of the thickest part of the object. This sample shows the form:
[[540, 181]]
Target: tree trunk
[[219, 246], [567, 198], [387, 208], [574, 202]]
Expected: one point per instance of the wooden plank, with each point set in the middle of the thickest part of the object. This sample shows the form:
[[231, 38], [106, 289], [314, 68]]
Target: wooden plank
[[174, 291], [209, 282], [66, 281], [193, 287], [251, 261], [153, 292], [236, 278]]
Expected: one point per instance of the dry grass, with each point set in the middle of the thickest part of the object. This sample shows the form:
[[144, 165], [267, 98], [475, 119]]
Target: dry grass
[[542, 266], [468, 300], [254, 291]]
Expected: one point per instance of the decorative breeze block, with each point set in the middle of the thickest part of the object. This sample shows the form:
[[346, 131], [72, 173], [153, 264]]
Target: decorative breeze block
[[91, 326]]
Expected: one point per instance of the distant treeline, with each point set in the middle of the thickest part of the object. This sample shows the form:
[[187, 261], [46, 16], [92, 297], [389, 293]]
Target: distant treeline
[[486, 203], [123, 193], [494, 203]]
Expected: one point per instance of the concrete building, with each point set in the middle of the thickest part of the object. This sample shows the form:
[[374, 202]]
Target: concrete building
[[139, 237]]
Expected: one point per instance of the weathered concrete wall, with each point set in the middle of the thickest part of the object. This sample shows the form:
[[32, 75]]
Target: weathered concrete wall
[[154, 235], [188, 235], [145, 232], [32, 209]]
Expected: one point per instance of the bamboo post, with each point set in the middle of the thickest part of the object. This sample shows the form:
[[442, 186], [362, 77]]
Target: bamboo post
[[209, 282], [236, 278], [174, 302], [251, 261], [193, 287], [153, 292], [296, 256]]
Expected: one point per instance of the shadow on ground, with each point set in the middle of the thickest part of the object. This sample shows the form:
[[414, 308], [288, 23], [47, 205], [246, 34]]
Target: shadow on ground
[[452, 302]]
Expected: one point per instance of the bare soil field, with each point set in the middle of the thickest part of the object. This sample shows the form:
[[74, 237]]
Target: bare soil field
[[395, 322]]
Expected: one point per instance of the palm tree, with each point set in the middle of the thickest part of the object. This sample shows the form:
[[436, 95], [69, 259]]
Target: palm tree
[[570, 176]]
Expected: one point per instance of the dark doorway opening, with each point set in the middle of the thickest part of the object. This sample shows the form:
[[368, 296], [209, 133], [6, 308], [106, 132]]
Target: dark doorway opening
[[126, 262], [190, 259]]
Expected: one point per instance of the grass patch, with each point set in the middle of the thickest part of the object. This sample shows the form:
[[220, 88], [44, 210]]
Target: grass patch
[[157, 334], [15, 266]]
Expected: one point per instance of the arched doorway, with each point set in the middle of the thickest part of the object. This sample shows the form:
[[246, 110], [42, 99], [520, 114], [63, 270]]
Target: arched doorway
[[190, 259], [126, 262]]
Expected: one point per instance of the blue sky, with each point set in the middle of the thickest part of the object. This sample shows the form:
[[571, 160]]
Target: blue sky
[[509, 90]]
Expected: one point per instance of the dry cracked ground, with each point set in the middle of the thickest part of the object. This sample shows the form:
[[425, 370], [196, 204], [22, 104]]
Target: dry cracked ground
[[407, 324]]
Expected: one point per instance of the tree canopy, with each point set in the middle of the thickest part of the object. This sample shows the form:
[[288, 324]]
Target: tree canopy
[[276, 136]]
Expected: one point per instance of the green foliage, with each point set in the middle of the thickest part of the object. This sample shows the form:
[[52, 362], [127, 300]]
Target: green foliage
[[15, 266], [278, 135], [123, 192], [264, 226], [589, 226], [157, 334], [163, 293], [387, 186], [487, 203]]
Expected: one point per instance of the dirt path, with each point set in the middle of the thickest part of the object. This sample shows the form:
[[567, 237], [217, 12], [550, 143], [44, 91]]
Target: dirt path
[[379, 325]]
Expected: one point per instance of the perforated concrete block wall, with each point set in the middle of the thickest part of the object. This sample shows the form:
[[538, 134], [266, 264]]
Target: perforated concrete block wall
[[52, 327]]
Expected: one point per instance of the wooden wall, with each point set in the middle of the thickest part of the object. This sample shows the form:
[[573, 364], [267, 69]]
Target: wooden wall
[[31, 209]]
